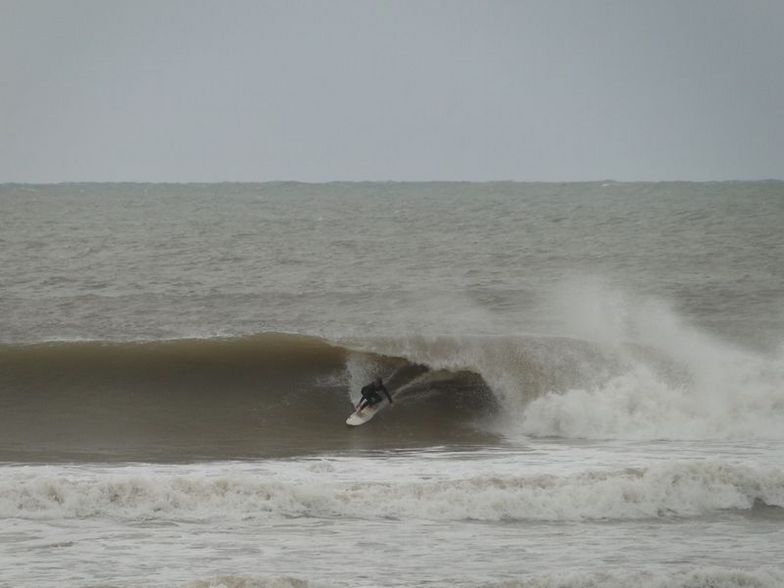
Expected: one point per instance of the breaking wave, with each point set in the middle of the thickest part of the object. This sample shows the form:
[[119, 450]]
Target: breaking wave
[[620, 369], [658, 491]]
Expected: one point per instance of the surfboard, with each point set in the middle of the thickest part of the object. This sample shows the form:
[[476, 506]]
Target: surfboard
[[360, 417]]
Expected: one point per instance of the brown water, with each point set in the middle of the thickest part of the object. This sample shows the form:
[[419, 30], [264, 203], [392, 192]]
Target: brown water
[[588, 381]]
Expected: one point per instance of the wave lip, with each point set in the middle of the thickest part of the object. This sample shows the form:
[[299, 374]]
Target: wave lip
[[689, 489]]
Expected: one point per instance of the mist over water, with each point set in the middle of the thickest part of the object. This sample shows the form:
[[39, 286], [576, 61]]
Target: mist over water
[[184, 356]]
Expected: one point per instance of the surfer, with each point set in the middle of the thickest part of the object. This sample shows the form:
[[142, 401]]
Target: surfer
[[371, 396]]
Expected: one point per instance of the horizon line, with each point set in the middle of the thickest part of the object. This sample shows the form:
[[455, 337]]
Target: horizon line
[[322, 182]]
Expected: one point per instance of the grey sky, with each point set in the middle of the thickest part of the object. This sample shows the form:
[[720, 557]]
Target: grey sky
[[549, 90]]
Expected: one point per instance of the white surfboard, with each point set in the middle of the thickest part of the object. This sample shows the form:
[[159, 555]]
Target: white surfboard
[[360, 417]]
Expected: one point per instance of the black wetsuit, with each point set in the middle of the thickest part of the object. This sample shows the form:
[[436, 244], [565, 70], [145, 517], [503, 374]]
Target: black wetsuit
[[371, 396]]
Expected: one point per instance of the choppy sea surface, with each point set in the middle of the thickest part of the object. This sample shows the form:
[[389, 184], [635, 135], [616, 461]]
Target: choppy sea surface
[[588, 383]]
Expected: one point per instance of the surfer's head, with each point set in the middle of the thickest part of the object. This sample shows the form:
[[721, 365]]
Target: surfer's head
[[378, 382]]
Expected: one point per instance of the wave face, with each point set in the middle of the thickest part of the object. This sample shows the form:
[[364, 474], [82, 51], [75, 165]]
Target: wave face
[[675, 490], [267, 395]]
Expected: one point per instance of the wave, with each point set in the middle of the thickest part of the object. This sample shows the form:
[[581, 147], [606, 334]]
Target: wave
[[267, 395], [620, 367], [623, 369], [654, 492]]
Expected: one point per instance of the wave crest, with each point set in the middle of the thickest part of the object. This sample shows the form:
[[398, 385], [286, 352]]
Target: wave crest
[[660, 491]]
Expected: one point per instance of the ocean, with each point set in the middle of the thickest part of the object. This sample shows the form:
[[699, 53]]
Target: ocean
[[588, 383]]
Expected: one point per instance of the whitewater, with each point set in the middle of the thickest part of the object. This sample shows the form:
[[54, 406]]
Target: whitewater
[[588, 382]]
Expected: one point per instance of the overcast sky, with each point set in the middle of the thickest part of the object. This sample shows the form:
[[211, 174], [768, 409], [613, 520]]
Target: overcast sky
[[408, 90]]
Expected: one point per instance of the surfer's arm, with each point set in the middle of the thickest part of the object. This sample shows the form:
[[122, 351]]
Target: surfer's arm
[[384, 388]]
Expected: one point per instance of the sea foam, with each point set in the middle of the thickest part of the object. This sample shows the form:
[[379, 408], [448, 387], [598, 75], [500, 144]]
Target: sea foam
[[680, 489], [678, 382], [618, 366]]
